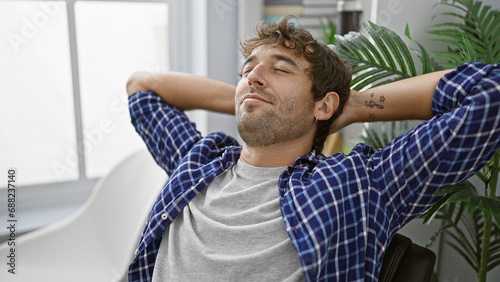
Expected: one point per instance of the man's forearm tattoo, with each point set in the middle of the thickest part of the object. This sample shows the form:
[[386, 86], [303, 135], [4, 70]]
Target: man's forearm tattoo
[[373, 104]]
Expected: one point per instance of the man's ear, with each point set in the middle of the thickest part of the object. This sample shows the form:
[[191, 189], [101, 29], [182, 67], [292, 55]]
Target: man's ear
[[326, 107]]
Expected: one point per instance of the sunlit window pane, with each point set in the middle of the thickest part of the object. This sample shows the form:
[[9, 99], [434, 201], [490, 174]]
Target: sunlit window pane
[[115, 39], [36, 100]]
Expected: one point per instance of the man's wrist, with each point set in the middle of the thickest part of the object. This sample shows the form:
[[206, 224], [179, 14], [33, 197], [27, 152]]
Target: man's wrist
[[354, 108]]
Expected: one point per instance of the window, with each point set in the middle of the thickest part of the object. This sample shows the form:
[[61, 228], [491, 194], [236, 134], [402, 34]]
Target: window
[[115, 39], [64, 66], [36, 108]]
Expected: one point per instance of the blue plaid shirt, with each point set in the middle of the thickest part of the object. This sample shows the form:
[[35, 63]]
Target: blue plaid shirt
[[340, 211]]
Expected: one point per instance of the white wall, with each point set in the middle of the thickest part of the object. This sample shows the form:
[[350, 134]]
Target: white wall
[[213, 53], [223, 49]]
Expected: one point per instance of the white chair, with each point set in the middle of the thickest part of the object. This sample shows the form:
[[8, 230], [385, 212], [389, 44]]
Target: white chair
[[97, 242]]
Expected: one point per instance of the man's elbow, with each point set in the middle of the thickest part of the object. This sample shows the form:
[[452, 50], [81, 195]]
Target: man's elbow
[[136, 82]]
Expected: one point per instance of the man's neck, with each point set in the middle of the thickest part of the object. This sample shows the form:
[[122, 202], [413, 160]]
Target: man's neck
[[280, 154]]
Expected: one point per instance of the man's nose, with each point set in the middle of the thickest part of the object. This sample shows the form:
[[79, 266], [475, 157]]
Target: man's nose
[[256, 76]]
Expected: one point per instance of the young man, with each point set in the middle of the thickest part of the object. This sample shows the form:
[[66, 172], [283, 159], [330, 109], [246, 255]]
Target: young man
[[275, 209]]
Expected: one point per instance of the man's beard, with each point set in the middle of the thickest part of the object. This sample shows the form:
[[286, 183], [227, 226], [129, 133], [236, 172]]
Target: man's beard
[[273, 125]]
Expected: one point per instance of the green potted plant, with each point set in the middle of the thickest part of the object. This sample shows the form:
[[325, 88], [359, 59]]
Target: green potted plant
[[471, 214]]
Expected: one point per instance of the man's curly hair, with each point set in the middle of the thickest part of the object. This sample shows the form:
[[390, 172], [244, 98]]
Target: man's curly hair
[[327, 72]]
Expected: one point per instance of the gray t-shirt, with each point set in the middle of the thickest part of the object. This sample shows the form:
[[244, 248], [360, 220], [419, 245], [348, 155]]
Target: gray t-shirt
[[231, 231]]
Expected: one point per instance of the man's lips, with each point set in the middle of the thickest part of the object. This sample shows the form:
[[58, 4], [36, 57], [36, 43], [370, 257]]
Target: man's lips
[[256, 94], [254, 97]]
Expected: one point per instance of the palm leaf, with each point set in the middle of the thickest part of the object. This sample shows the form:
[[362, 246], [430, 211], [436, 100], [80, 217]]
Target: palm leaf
[[494, 262], [469, 54], [428, 64], [372, 138], [494, 259], [386, 132], [328, 32], [380, 58], [465, 245], [465, 232], [466, 192], [465, 255], [459, 248], [465, 229], [479, 23]]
